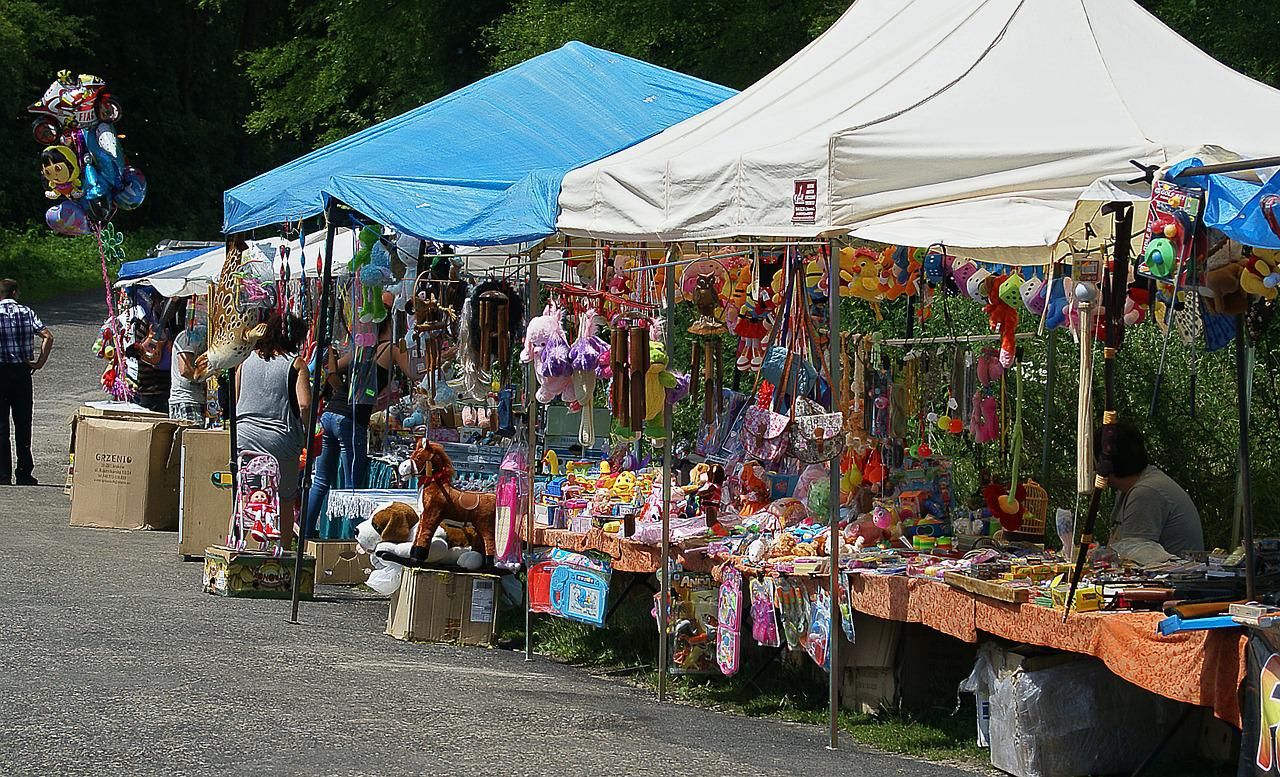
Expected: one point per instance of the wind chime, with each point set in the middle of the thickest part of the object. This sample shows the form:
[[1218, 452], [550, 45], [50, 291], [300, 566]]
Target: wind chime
[[707, 360], [495, 332]]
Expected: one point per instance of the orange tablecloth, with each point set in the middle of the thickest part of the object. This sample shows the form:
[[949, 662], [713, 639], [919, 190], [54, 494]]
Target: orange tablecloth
[[1198, 667]]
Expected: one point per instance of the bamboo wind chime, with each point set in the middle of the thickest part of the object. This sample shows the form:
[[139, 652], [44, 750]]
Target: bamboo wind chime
[[706, 364], [495, 332]]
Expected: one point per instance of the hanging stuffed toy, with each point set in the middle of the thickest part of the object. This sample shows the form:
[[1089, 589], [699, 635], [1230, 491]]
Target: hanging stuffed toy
[[584, 358], [375, 275], [546, 347], [657, 380], [751, 332], [1003, 316]]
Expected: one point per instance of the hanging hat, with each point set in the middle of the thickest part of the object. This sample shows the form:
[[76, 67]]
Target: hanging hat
[[1034, 292]]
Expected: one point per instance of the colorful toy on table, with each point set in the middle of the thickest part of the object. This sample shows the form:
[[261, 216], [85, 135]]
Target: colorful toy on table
[[753, 488]]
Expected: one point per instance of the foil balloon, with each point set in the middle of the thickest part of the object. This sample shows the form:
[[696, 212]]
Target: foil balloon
[[107, 154], [67, 218], [133, 189]]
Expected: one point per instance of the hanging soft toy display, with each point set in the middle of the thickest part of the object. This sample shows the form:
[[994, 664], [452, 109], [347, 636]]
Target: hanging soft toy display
[[584, 357], [1002, 315], [233, 329], [657, 381], [547, 349], [1008, 503], [866, 281], [373, 278], [751, 332]]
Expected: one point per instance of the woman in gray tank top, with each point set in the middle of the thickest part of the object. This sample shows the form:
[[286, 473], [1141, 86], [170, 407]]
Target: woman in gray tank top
[[273, 397]]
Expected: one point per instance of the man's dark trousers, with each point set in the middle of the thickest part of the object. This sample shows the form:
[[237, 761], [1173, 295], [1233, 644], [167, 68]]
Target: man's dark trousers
[[16, 398]]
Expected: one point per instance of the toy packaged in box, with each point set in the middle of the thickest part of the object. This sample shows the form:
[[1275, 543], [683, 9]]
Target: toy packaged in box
[[259, 575]]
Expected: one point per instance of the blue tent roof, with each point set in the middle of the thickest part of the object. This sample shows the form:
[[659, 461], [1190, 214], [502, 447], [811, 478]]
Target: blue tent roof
[[1239, 208], [141, 267], [482, 166]]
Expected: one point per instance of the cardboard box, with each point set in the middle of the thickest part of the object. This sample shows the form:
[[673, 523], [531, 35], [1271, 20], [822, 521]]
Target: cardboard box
[[338, 563], [126, 475], [868, 689], [255, 575], [437, 606], [204, 510], [121, 411]]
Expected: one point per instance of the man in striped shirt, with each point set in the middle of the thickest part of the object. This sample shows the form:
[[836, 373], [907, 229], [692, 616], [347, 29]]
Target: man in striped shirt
[[19, 327]]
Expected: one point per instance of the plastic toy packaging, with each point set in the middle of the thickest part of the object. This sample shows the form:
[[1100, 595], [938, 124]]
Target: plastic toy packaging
[[819, 632]]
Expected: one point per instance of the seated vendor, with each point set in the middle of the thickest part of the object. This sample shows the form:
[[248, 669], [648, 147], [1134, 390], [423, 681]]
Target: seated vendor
[[1150, 506]]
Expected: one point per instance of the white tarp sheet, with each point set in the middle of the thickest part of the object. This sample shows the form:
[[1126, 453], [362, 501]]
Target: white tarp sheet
[[977, 123]]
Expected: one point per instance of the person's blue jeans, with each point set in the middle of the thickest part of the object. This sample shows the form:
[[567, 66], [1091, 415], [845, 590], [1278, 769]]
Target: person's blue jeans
[[345, 445]]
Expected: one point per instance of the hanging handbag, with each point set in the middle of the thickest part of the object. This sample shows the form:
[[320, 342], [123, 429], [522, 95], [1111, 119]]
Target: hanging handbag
[[816, 435], [765, 435]]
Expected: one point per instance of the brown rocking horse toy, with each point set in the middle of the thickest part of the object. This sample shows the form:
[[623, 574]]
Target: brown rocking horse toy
[[441, 501]]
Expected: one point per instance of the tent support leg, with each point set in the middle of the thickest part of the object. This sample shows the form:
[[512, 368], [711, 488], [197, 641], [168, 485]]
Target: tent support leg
[[1246, 484], [833, 536], [531, 423], [664, 573], [323, 326]]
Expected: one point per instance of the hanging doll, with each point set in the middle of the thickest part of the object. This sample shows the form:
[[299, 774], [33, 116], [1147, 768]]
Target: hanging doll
[[657, 380], [1003, 316], [751, 332]]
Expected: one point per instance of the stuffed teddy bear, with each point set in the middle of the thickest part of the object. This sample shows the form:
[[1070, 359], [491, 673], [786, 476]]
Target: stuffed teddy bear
[[1226, 298]]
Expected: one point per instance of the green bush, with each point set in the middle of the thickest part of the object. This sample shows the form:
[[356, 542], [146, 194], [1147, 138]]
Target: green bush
[[45, 264]]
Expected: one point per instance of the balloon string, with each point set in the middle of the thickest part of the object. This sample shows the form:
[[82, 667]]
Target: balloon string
[[120, 386]]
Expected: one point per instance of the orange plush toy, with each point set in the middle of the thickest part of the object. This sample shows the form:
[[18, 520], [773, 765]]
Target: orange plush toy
[[1003, 318]]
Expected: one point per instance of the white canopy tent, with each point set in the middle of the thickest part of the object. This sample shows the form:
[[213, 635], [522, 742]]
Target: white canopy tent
[[982, 124], [193, 276]]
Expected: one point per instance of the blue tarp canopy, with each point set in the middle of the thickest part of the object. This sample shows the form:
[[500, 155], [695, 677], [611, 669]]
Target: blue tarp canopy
[[140, 267], [1236, 206], [482, 166]]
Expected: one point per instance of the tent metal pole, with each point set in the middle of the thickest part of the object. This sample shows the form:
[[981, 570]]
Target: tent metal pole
[[1232, 167], [1049, 366], [664, 597], [834, 534], [1245, 483], [323, 326], [531, 423]]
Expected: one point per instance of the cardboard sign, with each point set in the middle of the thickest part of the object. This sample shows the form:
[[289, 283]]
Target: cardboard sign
[[570, 585], [804, 202]]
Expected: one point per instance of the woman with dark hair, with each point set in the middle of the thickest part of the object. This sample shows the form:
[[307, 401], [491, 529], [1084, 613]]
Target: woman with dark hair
[[353, 385], [273, 396]]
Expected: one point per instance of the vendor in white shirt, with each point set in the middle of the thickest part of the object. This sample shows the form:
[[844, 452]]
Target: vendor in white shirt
[[1151, 509]]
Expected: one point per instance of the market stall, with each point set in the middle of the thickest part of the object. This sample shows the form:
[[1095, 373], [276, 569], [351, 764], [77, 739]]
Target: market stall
[[480, 167], [926, 126]]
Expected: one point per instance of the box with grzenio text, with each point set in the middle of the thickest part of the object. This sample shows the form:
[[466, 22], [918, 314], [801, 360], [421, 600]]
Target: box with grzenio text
[[126, 474]]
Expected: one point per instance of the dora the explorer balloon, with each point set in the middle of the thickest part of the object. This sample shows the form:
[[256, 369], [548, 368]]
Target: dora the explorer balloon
[[61, 172]]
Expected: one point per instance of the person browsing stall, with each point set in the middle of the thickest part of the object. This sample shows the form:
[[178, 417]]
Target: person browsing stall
[[19, 327], [1150, 506], [354, 379]]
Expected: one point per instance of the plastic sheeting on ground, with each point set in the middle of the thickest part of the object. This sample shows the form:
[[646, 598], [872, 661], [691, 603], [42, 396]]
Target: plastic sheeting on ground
[[976, 123], [481, 166]]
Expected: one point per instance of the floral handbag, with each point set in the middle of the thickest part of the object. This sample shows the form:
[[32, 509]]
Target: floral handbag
[[764, 434], [816, 435]]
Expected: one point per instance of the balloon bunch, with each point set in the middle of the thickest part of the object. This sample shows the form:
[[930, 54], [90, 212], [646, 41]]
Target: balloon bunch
[[83, 163]]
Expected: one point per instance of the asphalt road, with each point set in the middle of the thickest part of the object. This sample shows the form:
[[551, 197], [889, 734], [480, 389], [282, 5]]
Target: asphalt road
[[112, 661]]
